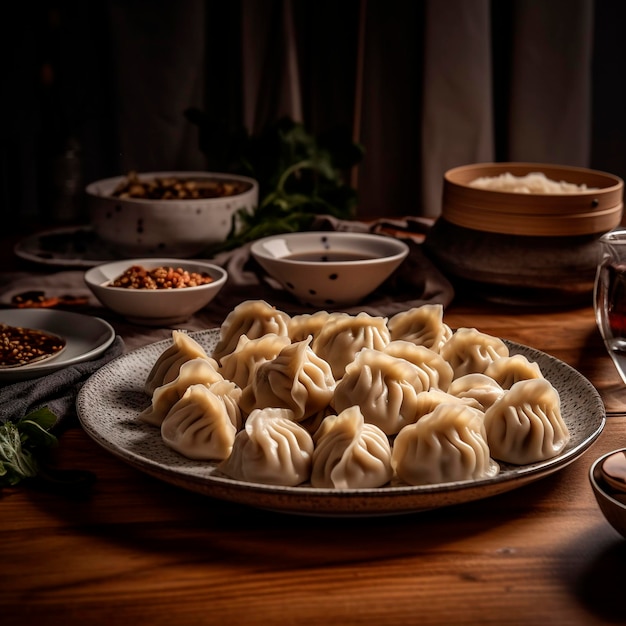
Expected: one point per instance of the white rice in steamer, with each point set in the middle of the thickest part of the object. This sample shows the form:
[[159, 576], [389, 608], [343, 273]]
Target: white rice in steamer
[[536, 182]]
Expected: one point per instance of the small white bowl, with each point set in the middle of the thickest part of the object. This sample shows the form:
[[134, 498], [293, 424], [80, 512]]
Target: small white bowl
[[166, 228], [613, 509], [154, 307], [326, 269]]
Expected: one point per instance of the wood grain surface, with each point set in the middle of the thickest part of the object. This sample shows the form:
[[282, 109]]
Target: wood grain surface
[[137, 551]]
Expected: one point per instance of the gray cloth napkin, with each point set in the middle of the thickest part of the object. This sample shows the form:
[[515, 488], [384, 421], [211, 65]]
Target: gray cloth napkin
[[57, 390], [416, 282]]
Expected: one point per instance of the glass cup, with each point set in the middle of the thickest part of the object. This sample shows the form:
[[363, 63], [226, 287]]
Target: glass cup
[[610, 296]]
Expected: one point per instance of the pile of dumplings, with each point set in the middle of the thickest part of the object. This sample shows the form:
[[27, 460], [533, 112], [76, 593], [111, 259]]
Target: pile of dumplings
[[333, 400]]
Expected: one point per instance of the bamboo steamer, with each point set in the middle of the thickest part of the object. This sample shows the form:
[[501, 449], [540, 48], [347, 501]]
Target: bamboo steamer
[[595, 210], [524, 248]]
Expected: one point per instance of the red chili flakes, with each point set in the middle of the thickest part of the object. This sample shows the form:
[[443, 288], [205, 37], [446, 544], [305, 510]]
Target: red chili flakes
[[138, 277]]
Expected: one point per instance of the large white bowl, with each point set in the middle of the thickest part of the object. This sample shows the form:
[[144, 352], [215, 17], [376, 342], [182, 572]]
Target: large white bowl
[[339, 269], [160, 228], [154, 307]]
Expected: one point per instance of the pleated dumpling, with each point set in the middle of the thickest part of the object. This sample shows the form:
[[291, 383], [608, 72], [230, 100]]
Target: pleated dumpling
[[437, 370], [350, 454], [305, 324], [525, 425], [469, 351], [384, 387], [240, 365], [506, 371], [423, 326], [479, 387], [272, 449], [164, 397], [166, 368], [230, 394], [428, 401], [253, 318], [297, 379], [447, 445], [343, 335], [200, 425]]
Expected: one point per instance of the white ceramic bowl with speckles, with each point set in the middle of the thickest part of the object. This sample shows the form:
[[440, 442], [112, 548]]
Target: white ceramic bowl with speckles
[[154, 307], [160, 228], [328, 269]]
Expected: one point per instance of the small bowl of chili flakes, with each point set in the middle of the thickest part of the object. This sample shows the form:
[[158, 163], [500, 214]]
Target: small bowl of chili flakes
[[156, 292]]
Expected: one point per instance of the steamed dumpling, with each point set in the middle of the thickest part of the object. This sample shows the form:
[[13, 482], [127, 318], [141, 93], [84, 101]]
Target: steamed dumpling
[[240, 365], [350, 454], [272, 449], [428, 401], [305, 324], [164, 397], [525, 425], [422, 326], [446, 445], [253, 318], [297, 379], [436, 369], [343, 335], [469, 351], [506, 371], [166, 368], [479, 387], [230, 394], [384, 387], [201, 425]]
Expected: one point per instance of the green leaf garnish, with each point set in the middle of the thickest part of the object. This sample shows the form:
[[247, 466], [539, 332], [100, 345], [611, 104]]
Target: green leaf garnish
[[300, 175]]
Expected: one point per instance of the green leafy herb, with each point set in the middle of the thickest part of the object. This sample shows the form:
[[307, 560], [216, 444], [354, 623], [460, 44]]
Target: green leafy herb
[[20, 444], [300, 175], [24, 445]]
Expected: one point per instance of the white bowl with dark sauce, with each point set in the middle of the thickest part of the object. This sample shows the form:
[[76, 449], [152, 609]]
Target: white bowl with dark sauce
[[329, 269]]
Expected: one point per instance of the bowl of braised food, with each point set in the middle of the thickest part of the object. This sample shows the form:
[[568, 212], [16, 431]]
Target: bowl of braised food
[[175, 214]]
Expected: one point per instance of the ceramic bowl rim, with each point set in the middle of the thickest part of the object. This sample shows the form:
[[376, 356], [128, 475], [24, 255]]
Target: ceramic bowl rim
[[218, 281], [402, 249], [92, 188], [598, 487]]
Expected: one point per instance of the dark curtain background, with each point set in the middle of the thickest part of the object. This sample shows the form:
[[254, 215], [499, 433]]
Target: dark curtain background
[[95, 89]]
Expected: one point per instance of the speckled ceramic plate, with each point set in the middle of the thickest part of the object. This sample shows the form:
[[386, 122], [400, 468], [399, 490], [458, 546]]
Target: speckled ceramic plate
[[86, 337], [109, 402]]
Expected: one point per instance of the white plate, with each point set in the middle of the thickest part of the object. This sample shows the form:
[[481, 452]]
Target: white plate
[[73, 246], [109, 402], [87, 337]]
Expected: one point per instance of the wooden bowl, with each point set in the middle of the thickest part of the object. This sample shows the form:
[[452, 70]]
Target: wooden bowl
[[612, 502], [523, 248]]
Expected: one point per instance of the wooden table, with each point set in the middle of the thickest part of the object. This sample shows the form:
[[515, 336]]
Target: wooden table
[[138, 551]]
